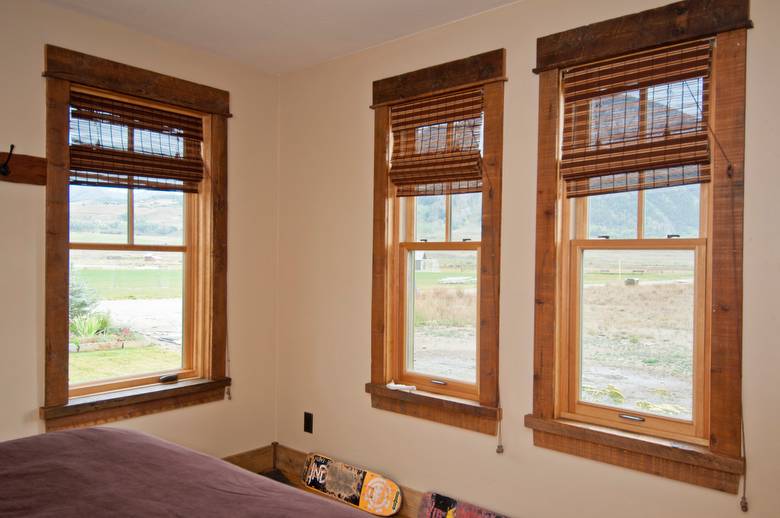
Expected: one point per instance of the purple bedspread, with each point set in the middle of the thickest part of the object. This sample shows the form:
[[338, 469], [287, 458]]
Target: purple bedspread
[[100, 472]]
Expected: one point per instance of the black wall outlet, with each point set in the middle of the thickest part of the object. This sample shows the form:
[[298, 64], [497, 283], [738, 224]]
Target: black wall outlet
[[308, 422]]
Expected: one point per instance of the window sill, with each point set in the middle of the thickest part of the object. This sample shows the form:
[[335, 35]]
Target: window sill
[[668, 458], [442, 409], [123, 404]]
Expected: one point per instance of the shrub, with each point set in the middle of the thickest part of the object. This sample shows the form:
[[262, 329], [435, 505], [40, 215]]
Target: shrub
[[90, 325], [83, 300]]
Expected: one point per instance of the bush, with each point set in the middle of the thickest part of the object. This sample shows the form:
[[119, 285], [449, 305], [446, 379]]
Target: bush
[[83, 300], [90, 325]]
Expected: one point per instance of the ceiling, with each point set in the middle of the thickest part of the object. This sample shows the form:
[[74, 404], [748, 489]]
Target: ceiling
[[279, 36]]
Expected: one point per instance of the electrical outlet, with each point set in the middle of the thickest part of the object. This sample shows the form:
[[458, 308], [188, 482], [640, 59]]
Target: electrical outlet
[[308, 422]]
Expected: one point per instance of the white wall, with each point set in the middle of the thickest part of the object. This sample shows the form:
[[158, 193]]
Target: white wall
[[325, 282], [220, 428]]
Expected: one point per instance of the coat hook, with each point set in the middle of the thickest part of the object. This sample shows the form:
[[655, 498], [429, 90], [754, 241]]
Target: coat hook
[[5, 170]]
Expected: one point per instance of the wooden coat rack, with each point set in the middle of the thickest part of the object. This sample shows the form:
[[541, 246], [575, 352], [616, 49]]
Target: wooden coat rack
[[22, 168]]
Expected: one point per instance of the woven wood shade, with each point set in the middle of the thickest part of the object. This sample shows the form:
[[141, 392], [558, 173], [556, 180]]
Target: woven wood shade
[[120, 144], [638, 121], [437, 144]]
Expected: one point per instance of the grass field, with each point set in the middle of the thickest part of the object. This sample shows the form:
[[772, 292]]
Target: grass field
[[132, 283], [100, 365]]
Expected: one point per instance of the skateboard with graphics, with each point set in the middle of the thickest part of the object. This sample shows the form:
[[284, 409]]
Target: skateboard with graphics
[[357, 487]]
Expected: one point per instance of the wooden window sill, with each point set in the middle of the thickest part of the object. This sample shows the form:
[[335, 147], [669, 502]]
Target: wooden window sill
[[668, 458], [462, 413], [123, 404]]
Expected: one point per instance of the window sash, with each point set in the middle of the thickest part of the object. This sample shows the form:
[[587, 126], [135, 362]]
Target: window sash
[[190, 365], [423, 381]]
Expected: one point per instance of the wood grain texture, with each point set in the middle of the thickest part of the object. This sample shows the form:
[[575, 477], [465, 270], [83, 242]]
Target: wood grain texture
[[102, 73], [217, 164], [260, 460], [57, 254], [379, 352], [727, 243], [136, 409], [676, 22], [442, 409], [471, 71], [490, 262], [720, 480], [25, 169], [545, 297], [290, 462], [123, 399]]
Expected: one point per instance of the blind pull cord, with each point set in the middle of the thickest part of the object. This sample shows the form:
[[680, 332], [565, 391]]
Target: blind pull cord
[[5, 169], [729, 165], [228, 392]]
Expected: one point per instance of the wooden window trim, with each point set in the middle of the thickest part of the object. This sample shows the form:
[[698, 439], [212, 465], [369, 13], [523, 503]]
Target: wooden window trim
[[207, 276], [720, 464], [487, 70]]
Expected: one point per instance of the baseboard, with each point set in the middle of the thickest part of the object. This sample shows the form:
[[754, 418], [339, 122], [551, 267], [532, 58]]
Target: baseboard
[[290, 462]]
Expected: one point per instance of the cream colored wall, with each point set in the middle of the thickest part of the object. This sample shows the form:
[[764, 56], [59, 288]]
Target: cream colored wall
[[325, 281], [219, 428]]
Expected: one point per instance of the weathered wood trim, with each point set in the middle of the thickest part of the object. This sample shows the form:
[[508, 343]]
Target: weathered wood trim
[[25, 169], [260, 460], [547, 208], [471, 71], [379, 350], [102, 73], [490, 262], [728, 187], [118, 406], [458, 412], [664, 25], [649, 445], [216, 137], [57, 253]]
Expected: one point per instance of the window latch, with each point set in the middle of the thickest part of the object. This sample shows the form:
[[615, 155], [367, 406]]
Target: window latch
[[466, 239], [632, 417], [603, 237], [423, 240], [169, 378], [670, 236], [438, 382]]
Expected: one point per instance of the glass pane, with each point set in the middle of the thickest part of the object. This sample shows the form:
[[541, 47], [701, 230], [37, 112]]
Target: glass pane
[[159, 217], [125, 314], [467, 217], [613, 215], [97, 133], [430, 139], [98, 214], [155, 143], [637, 322], [672, 211], [430, 218], [442, 314]]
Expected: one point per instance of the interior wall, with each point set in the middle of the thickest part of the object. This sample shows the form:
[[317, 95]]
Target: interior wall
[[219, 428], [325, 282]]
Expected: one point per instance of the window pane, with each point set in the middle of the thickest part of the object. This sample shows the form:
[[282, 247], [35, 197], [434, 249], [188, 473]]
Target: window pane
[[467, 217], [98, 214], [613, 215], [442, 314], [159, 217], [672, 211], [430, 218], [430, 139], [125, 314], [636, 333]]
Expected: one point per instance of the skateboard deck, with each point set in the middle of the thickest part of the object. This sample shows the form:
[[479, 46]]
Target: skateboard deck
[[357, 487], [439, 506]]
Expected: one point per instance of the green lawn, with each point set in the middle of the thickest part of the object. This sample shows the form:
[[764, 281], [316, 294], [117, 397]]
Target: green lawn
[[433, 279], [604, 278], [101, 365], [132, 283]]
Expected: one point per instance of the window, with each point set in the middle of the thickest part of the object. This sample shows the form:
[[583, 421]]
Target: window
[[135, 248], [437, 185], [639, 243]]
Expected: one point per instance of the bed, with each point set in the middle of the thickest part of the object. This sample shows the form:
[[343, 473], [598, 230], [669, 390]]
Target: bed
[[98, 472]]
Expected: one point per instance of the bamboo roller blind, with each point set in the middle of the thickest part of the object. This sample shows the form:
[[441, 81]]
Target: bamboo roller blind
[[120, 144], [437, 144], [638, 121]]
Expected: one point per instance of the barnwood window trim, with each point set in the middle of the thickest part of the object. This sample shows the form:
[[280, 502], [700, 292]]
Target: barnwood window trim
[[476, 409], [715, 461], [204, 375]]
